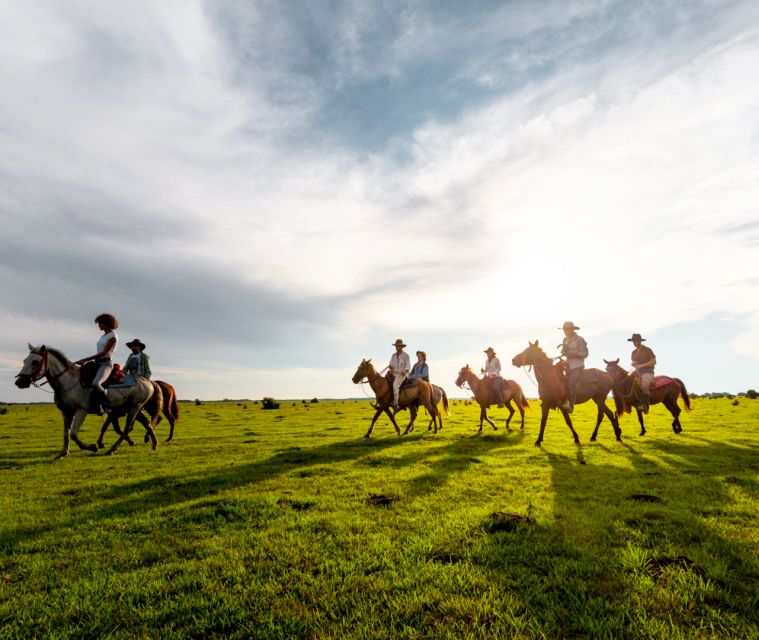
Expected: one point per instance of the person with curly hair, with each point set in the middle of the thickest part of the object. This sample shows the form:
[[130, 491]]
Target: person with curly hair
[[107, 344]]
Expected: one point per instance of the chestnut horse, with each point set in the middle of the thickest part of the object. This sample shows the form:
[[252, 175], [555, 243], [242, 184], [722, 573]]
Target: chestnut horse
[[481, 388], [626, 389], [170, 408], [438, 395], [594, 385], [411, 397], [73, 400]]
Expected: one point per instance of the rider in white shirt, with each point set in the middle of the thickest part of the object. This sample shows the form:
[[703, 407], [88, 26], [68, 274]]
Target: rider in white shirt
[[400, 365]]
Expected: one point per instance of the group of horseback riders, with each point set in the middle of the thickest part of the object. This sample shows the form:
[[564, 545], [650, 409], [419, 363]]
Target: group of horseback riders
[[574, 350], [137, 363]]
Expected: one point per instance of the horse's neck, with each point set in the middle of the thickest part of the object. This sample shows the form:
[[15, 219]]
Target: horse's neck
[[374, 378], [59, 369], [474, 381], [546, 372]]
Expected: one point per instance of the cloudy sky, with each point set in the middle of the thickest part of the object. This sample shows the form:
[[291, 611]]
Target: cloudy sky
[[266, 192]]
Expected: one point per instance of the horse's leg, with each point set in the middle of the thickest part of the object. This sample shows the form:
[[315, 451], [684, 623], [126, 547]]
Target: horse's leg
[[374, 419], [543, 420], [392, 419], [104, 428], [484, 416], [674, 409], [67, 417], [511, 412], [521, 412], [599, 418], [613, 419], [76, 422], [412, 414], [568, 420], [144, 422], [640, 420]]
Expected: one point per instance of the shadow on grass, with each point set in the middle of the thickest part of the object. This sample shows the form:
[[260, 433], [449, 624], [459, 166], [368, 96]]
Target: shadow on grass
[[649, 535]]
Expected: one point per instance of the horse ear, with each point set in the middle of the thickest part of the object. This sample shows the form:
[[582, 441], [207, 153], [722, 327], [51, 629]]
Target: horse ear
[[536, 342], [606, 361], [29, 344], [43, 348], [616, 361], [368, 361]]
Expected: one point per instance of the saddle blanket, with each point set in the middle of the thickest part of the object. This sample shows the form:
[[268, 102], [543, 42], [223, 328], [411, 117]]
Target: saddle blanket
[[661, 381], [128, 381]]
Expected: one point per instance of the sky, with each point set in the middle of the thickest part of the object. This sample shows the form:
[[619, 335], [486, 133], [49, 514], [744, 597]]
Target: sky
[[267, 192]]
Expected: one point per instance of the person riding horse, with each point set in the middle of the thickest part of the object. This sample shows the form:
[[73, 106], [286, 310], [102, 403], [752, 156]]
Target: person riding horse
[[420, 370], [105, 346], [643, 362], [492, 371], [575, 350], [400, 365], [138, 362]]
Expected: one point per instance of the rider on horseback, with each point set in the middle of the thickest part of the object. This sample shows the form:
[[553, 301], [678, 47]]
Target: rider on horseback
[[575, 350], [420, 369], [643, 362], [400, 365], [105, 346], [492, 371]]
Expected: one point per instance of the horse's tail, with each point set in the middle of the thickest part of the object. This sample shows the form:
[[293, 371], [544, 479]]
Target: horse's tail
[[156, 405], [173, 403], [683, 393], [523, 399], [619, 403], [445, 401]]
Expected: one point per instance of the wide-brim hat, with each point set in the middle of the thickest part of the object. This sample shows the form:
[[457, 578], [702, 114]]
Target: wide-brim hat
[[570, 325], [399, 343], [489, 350], [636, 336], [136, 343], [422, 353]]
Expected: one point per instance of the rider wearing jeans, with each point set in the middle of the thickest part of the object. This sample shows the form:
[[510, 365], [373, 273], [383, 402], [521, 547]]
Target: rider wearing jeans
[[575, 349], [106, 346]]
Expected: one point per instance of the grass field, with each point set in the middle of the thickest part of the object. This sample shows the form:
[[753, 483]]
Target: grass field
[[260, 524]]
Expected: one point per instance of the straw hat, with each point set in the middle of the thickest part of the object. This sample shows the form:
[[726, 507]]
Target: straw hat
[[399, 343], [636, 336], [570, 325], [490, 350], [421, 353]]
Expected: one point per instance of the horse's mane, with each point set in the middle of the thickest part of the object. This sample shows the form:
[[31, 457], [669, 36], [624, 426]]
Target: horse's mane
[[58, 354]]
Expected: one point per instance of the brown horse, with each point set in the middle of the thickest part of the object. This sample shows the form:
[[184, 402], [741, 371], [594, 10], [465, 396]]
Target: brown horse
[[627, 391], [482, 394], [594, 385], [169, 407], [438, 395], [418, 394]]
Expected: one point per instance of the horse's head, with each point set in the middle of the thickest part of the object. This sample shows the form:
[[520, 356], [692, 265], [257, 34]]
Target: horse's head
[[35, 367], [530, 356], [463, 375], [614, 370], [363, 371]]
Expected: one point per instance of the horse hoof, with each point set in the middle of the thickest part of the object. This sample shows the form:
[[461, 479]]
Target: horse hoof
[[101, 445], [537, 443], [92, 448], [592, 438], [577, 440]]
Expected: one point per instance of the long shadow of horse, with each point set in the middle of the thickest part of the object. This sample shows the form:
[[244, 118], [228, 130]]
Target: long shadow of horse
[[621, 536], [142, 496]]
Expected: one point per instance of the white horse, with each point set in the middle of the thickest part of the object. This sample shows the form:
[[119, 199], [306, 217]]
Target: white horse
[[73, 399]]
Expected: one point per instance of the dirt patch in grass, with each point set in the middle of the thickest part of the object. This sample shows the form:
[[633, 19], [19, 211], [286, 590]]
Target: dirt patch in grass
[[506, 521], [379, 500], [645, 497]]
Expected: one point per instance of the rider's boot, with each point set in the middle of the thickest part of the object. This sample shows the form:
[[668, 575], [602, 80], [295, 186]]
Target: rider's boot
[[645, 401]]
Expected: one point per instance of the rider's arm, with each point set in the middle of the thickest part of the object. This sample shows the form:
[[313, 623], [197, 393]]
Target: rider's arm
[[101, 354]]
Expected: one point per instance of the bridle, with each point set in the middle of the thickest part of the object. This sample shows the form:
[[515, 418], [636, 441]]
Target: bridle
[[41, 370]]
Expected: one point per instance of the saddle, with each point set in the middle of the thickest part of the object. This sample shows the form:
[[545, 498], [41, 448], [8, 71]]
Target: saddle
[[89, 369], [497, 389], [660, 381], [408, 382]]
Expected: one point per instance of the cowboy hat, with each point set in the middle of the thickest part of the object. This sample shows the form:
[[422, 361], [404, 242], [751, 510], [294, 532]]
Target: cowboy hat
[[136, 343], [421, 353], [569, 325], [399, 343], [636, 336], [489, 350]]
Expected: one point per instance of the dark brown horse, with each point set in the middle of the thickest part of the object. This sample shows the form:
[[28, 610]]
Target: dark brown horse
[[481, 389], [419, 394], [169, 406], [627, 392], [594, 385]]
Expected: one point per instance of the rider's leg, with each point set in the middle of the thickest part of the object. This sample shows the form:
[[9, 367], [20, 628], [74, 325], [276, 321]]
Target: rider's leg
[[97, 383], [645, 385], [573, 376]]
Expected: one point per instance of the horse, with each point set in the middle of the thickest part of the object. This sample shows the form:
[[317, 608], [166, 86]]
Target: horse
[[481, 389], [411, 397], [73, 400], [169, 406], [666, 392], [438, 395], [594, 385]]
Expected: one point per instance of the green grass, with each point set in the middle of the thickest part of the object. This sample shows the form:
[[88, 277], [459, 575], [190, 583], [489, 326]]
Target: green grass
[[257, 524]]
